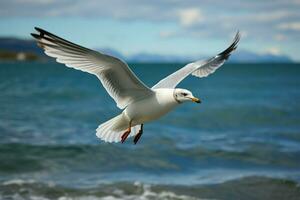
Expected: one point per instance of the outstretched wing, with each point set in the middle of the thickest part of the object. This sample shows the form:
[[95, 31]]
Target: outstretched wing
[[115, 75], [201, 68]]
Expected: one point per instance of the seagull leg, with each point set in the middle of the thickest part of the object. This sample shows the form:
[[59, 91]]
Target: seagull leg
[[126, 133], [138, 135]]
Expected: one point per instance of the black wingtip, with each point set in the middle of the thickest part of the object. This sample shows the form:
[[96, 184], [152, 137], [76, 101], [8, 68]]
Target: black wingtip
[[237, 36], [41, 31], [38, 29], [36, 36], [227, 52]]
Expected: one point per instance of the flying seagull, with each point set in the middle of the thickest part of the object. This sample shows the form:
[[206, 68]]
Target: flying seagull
[[140, 104]]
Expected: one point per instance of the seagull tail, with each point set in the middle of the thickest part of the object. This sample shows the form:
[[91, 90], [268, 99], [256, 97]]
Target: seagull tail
[[113, 129]]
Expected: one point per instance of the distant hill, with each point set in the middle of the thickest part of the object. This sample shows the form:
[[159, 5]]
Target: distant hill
[[10, 46], [247, 56], [239, 56], [19, 45]]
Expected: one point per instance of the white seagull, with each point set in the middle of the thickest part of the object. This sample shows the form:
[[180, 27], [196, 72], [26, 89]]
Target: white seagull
[[140, 104]]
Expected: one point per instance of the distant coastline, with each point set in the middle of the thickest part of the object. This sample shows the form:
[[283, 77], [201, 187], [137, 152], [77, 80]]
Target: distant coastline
[[17, 56], [15, 49]]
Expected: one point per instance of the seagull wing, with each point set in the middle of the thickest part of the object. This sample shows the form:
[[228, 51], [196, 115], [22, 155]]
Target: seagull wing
[[201, 68], [115, 75]]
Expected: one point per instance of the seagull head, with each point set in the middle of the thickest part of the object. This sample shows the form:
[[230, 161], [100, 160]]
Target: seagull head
[[183, 95]]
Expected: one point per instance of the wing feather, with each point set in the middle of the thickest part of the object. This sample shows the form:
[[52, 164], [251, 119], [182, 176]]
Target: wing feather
[[201, 68], [115, 75]]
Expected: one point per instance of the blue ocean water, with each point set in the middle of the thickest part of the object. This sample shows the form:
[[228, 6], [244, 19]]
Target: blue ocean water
[[245, 135]]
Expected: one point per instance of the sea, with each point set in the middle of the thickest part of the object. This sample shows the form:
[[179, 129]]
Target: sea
[[241, 142]]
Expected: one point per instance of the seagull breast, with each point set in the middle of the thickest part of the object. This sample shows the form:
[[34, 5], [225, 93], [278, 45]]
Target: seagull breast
[[152, 107]]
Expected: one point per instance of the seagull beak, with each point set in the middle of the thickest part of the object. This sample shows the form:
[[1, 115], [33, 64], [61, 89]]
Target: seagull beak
[[194, 99]]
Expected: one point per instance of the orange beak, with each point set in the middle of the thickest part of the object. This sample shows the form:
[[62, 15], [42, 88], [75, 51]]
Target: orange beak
[[194, 99]]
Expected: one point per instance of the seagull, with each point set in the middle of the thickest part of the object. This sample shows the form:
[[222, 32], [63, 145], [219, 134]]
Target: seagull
[[138, 102]]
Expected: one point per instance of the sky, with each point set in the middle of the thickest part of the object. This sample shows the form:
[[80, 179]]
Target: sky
[[170, 27]]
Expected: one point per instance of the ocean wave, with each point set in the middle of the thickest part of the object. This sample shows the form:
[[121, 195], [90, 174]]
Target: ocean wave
[[18, 182], [29, 189], [245, 188], [158, 156]]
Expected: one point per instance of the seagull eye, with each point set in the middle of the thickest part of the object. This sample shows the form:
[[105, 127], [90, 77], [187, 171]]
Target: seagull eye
[[184, 94]]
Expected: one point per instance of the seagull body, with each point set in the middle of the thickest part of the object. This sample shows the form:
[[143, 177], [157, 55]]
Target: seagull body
[[152, 107], [140, 104]]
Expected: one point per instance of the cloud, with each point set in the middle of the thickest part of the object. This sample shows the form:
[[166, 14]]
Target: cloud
[[274, 51], [272, 22], [190, 16], [293, 26], [270, 16]]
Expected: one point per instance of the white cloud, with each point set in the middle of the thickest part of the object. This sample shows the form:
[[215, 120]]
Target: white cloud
[[271, 16], [257, 20], [292, 26], [274, 51], [244, 33], [190, 16]]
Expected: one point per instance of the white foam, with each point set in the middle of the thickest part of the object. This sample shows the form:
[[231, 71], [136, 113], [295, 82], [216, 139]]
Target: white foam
[[18, 182], [146, 193]]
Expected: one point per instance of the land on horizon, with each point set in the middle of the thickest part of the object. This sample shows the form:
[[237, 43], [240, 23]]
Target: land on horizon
[[23, 49]]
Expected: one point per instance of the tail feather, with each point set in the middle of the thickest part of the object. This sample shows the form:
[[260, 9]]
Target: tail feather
[[112, 130]]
